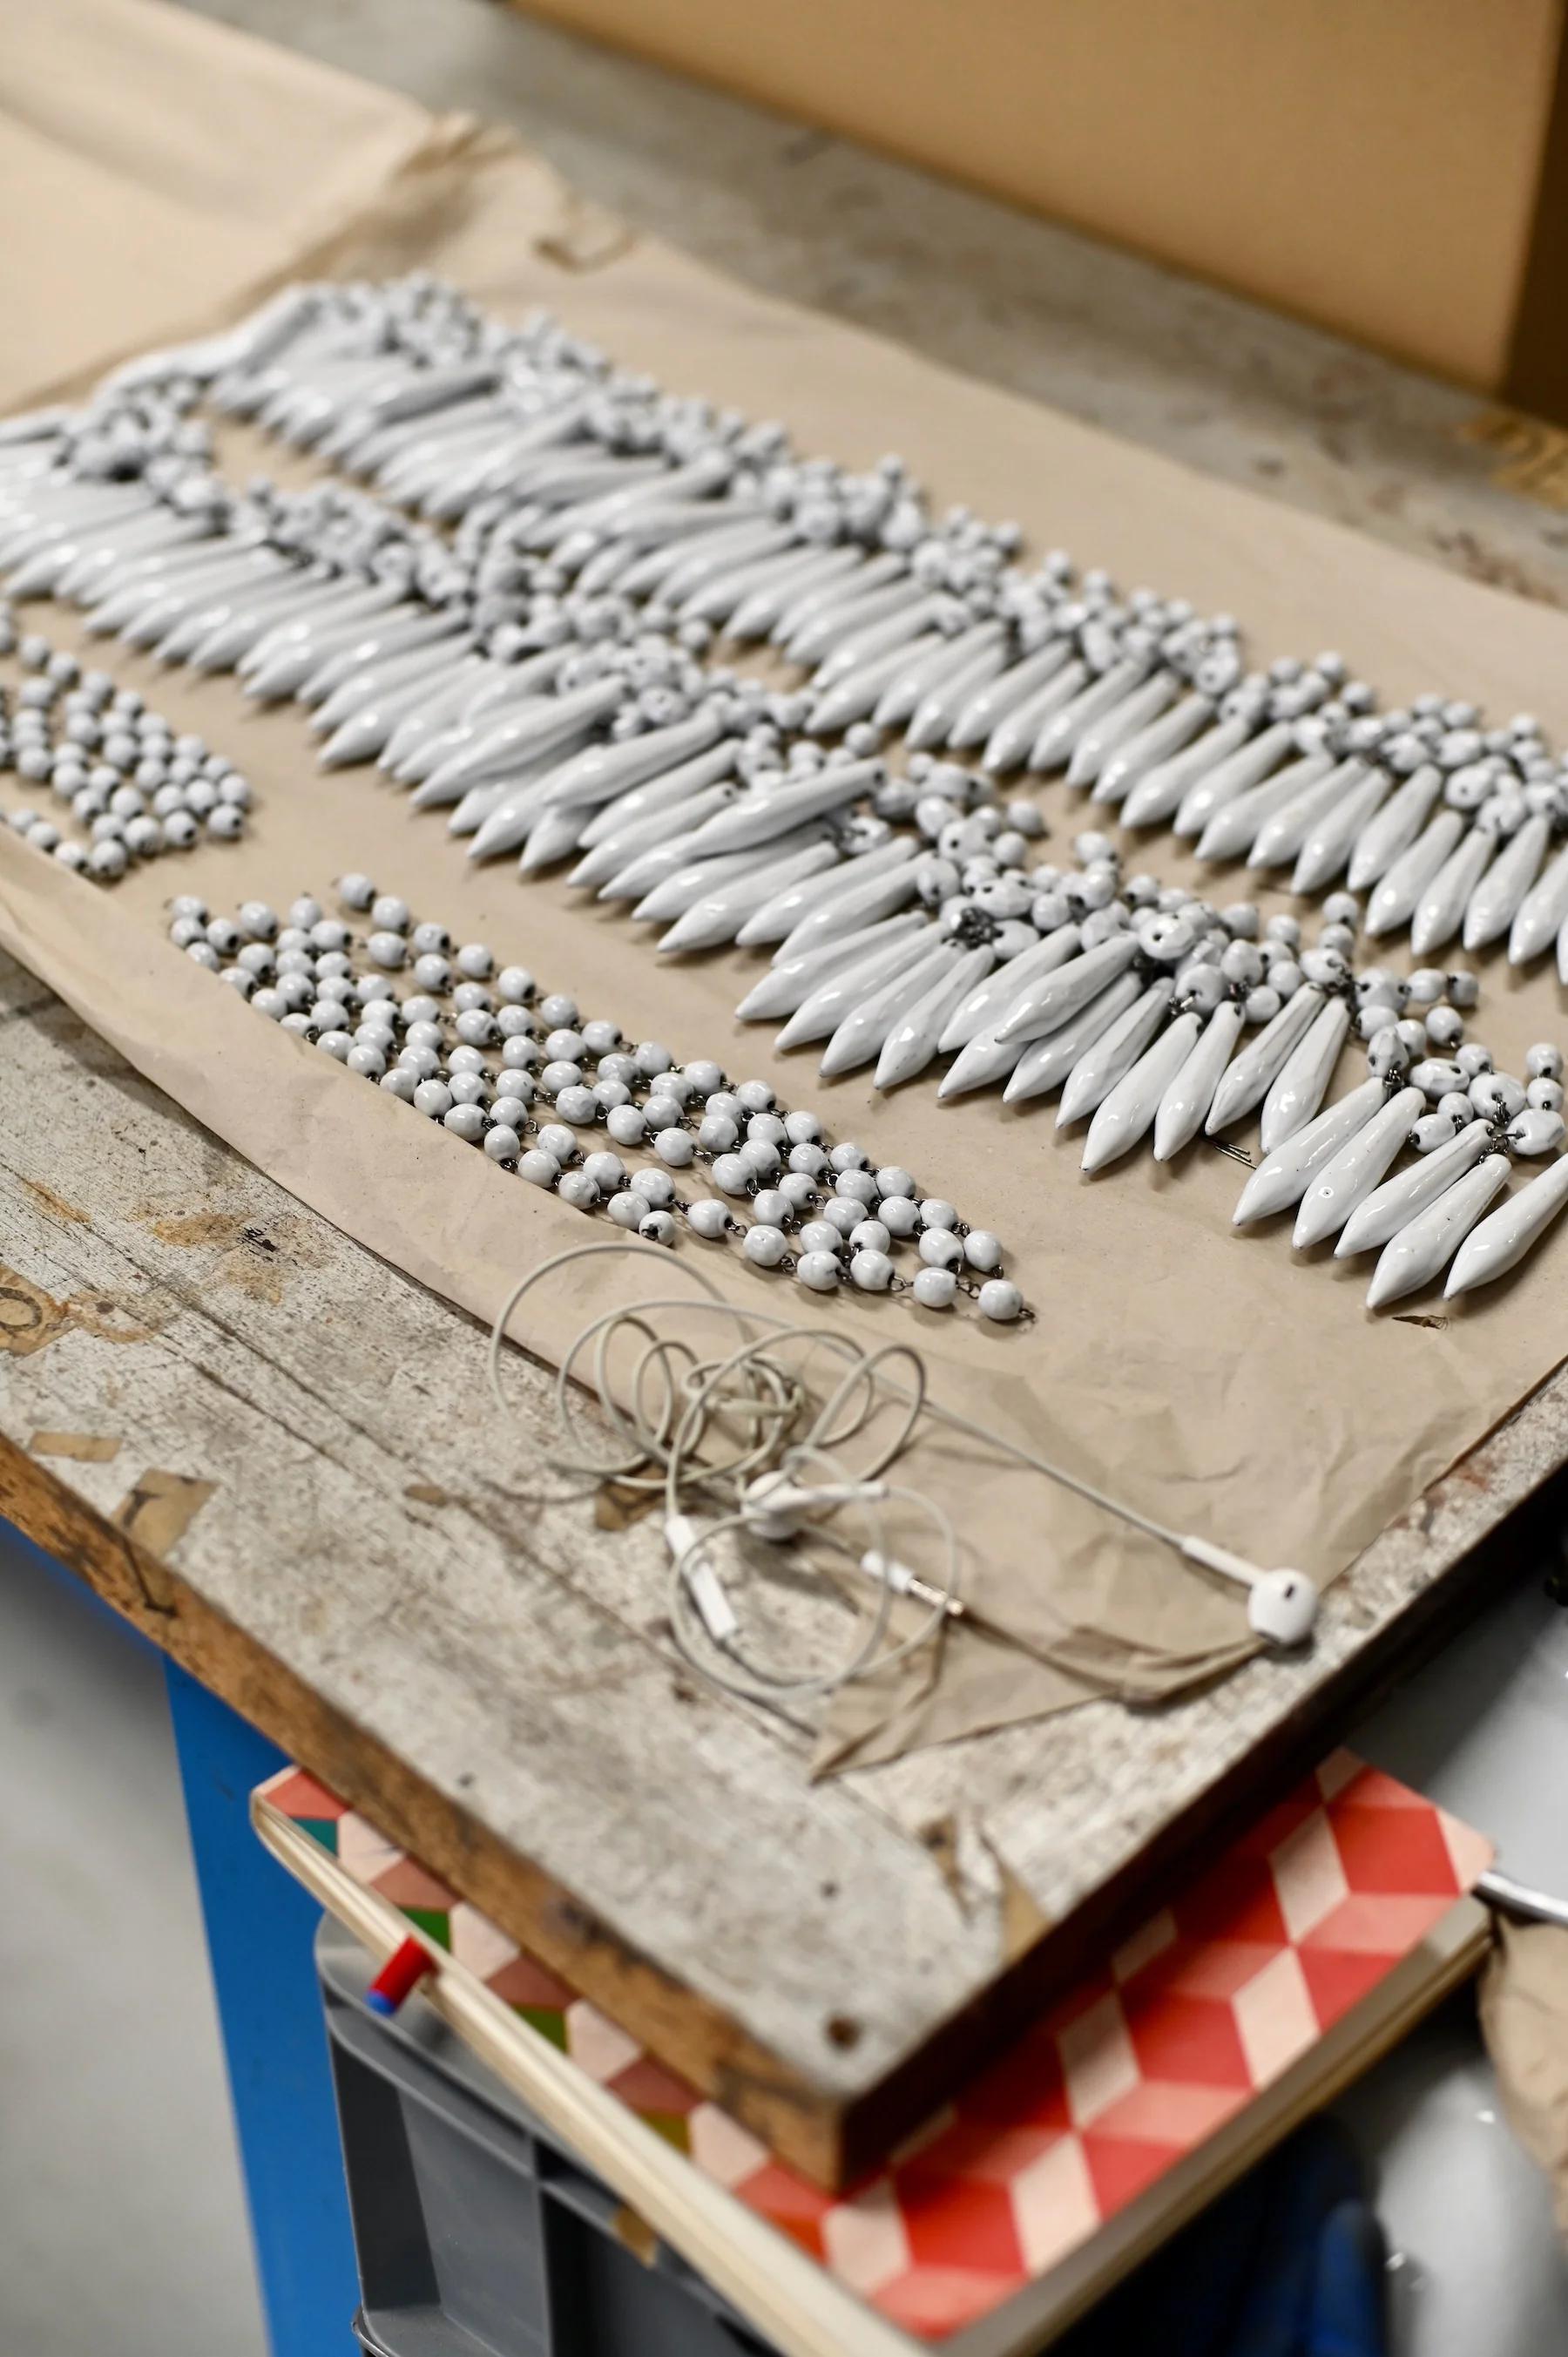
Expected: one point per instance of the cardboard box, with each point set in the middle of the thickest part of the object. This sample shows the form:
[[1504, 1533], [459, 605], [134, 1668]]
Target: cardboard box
[[1393, 169]]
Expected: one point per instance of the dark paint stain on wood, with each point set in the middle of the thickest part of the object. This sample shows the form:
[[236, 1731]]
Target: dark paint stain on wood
[[31, 1319]]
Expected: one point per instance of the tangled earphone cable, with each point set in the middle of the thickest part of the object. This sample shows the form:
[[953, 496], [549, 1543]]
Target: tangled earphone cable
[[671, 1408]]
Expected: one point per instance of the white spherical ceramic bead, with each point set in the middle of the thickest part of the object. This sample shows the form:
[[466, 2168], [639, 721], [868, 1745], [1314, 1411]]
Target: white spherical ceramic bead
[[799, 1191], [1462, 990], [675, 1147], [857, 1187], [397, 1084], [820, 1235], [655, 1187], [935, 1289], [270, 1003], [386, 949], [423, 1062], [1496, 1096], [502, 1143], [771, 1208], [356, 891], [476, 961], [1543, 1061], [607, 1170], [1535, 1132], [1445, 1028], [1456, 1106], [765, 1245], [466, 1122], [819, 1272], [434, 1099], [1546, 1096], [1000, 1299], [574, 1188], [539, 1168], [468, 1088], [709, 1219], [369, 1061], [894, 1180], [558, 1141], [625, 1123], [871, 1271], [732, 1176], [843, 1214], [718, 1134], [430, 941], [900, 1215], [982, 1251], [626, 1210], [940, 1248], [871, 1236], [658, 1228], [514, 985]]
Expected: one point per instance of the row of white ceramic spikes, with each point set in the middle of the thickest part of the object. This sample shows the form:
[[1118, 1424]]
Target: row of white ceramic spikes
[[1248, 796], [926, 987], [1127, 732]]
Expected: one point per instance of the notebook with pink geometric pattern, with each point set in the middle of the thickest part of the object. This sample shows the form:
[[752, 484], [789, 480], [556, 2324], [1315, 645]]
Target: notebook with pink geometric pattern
[[1208, 2005]]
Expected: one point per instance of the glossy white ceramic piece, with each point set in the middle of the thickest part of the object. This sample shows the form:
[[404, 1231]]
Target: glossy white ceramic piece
[[1396, 1202], [1426, 1244], [1280, 1181], [1350, 1175], [1301, 1083], [1247, 1080], [1502, 1240]]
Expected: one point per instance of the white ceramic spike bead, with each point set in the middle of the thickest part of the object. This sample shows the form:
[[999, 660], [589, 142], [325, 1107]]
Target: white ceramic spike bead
[[1299, 1087], [1498, 898], [912, 1042], [1186, 1103], [1213, 786], [1248, 1078], [1426, 1244], [1161, 789], [1281, 1180], [1135, 756], [1396, 1202], [862, 1031], [1395, 827], [1408, 877], [1503, 1240], [1053, 999], [1542, 913], [999, 990], [1043, 1064], [1129, 1112], [1115, 1053], [1350, 1176], [1234, 826], [1439, 910]]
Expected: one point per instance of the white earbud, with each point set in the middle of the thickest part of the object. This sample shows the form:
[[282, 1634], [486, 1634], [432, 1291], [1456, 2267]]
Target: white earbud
[[1282, 1606], [775, 1507]]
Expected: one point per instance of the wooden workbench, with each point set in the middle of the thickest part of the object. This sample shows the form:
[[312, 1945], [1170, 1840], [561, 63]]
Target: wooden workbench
[[277, 1455], [274, 1455]]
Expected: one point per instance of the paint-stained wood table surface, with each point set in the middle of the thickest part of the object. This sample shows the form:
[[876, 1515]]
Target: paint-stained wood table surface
[[274, 1454]]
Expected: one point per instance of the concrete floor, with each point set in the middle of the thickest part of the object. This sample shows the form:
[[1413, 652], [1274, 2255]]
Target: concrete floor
[[122, 2226]]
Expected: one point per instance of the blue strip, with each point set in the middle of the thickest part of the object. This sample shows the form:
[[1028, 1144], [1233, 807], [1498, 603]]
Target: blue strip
[[260, 1928]]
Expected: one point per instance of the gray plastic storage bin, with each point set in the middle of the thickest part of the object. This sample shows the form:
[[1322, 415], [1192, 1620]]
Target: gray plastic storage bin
[[477, 2234]]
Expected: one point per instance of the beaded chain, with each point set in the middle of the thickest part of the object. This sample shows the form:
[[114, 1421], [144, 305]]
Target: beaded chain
[[485, 1054]]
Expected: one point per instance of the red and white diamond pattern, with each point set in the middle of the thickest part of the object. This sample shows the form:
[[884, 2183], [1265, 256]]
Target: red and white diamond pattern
[[1213, 1998]]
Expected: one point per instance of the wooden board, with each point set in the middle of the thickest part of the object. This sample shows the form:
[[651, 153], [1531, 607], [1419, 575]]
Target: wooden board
[[312, 1504]]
